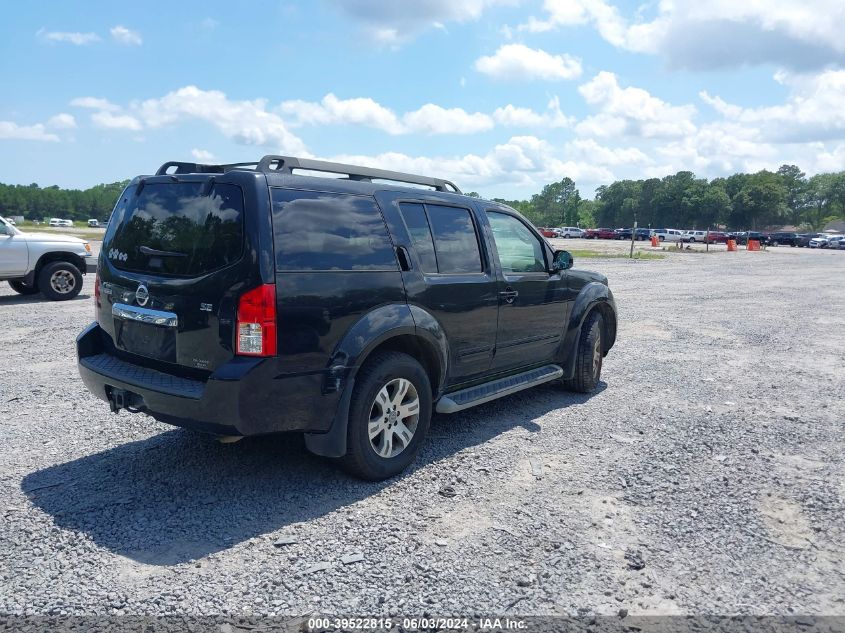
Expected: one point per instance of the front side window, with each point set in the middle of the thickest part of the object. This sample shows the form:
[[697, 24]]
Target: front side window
[[321, 231], [519, 250]]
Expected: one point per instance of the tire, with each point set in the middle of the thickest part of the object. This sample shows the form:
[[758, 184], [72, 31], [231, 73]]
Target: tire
[[23, 289], [692, 239], [588, 357], [60, 281], [660, 237], [775, 243], [375, 397]]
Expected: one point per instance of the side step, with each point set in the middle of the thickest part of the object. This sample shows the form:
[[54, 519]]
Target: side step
[[472, 396]]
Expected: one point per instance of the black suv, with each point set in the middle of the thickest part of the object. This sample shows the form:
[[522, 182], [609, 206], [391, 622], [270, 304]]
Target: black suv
[[783, 238], [249, 298]]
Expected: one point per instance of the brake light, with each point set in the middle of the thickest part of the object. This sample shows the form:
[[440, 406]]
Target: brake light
[[97, 295], [256, 326]]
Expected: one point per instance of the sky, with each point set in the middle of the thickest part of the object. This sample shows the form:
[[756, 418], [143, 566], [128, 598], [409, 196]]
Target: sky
[[500, 96]]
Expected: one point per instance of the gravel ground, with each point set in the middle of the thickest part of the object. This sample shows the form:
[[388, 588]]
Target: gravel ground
[[705, 476]]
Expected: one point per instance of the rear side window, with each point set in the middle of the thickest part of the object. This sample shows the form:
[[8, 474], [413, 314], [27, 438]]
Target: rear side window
[[321, 231], [417, 223], [180, 229], [455, 239]]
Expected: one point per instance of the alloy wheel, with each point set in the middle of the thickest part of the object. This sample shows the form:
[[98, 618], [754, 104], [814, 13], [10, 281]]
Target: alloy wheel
[[394, 416]]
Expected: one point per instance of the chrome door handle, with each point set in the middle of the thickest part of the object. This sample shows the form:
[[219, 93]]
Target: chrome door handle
[[509, 294]]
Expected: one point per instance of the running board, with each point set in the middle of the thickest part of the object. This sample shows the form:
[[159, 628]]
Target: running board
[[472, 396]]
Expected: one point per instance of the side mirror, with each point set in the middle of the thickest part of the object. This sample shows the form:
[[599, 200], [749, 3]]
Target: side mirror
[[562, 261]]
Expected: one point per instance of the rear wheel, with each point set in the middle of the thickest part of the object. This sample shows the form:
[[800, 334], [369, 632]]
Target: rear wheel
[[774, 243], [389, 416], [60, 281], [23, 289], [588, 357]]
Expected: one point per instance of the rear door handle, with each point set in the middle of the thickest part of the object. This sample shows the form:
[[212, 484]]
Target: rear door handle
[[509, 294]]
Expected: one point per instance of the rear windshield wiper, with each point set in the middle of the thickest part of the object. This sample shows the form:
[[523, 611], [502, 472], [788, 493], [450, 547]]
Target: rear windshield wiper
[[146, 250]]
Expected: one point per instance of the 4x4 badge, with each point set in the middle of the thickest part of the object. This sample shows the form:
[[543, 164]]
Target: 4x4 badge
[[142, 295]]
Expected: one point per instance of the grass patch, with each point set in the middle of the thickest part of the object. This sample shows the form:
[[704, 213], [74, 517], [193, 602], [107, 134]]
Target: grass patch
[[587, 254], [84, 232]]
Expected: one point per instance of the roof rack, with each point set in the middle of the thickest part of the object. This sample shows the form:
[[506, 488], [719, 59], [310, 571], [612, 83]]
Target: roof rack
[[287, 165]]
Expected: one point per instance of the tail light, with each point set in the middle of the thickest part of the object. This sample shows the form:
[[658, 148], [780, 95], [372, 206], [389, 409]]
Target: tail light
[[97, 296], [256, 326]]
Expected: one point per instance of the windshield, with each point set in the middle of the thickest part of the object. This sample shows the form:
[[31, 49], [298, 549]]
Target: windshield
[[176, 229]]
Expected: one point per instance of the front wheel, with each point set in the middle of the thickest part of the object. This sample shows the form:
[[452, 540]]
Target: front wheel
[[389, 416], [60, 281], [588, 356], [23, 289], [775, 243]]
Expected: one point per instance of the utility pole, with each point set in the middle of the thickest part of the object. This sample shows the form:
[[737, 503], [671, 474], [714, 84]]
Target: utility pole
[[633, 236]]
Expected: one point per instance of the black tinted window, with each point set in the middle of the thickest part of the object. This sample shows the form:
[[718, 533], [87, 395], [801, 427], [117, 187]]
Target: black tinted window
[[176, 229], [454, 239], [417, 223], [329, 231]]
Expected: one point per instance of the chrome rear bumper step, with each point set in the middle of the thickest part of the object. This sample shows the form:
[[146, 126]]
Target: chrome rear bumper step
[[472, 396]]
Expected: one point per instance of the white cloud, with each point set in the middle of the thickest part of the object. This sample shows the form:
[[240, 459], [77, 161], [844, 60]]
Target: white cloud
[[428, 119], [76, 38], [522, 161], [589, 150], [331, 110], [631, 111], [392, 23], [245, 122], [95, 103], [126, 36], [201, 154], [434, 119], [10, 130], [515, 116], [518, 62], [62, 121], [111, 121], [716, 33], [812, 112]]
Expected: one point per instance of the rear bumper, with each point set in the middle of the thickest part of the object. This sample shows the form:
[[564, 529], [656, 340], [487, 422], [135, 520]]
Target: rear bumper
[[246, 396]]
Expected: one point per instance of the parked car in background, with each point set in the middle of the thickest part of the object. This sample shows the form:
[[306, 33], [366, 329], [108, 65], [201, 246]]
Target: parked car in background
[[623, 234], [600, 233], [42, 262], [11, 221], [840, 245], [835, 242], [803, 239], [642, 234], [783, 238], [669, 235], [717, 237], [55, 221], [567, 232], [94, 223], [823, 241], [694, 236], [547, 232], [744, 236]]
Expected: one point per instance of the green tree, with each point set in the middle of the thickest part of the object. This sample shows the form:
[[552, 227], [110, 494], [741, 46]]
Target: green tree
[[795, 184]]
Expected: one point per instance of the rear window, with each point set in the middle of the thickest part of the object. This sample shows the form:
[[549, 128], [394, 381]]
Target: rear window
[[321, 231], [179, 229]]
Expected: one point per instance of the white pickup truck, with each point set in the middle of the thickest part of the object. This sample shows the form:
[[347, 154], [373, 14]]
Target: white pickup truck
[[43, 262]]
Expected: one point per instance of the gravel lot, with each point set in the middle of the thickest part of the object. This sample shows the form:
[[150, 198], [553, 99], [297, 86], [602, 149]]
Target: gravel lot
[[705, 476]]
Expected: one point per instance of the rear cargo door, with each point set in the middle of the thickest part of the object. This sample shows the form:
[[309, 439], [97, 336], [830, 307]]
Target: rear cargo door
[[173, 264]]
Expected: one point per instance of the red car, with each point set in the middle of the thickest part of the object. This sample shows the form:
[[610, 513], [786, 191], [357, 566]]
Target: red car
[[546, 232], [602, 234], [717, 237]]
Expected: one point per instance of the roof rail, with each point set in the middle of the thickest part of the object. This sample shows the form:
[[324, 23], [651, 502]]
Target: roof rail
[[286, 164]]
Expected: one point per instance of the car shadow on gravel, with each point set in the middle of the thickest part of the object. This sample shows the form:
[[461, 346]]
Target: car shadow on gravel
[[179, 495], [13, 300]]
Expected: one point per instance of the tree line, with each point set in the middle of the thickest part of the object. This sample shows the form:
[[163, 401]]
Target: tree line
[[741, 201], [37, 203]]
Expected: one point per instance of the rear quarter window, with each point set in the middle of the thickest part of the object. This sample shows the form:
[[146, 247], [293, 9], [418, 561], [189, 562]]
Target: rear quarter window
[[200, 229], [323, 231]]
